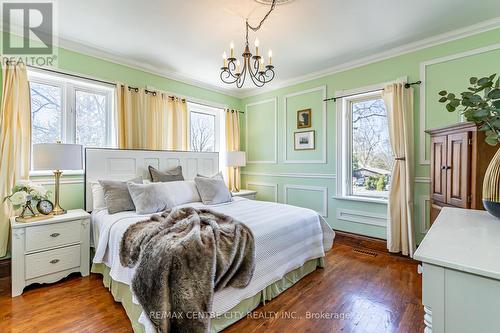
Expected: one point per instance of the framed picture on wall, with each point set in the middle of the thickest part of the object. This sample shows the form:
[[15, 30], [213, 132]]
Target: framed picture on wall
[[304, 140], [304, 118]]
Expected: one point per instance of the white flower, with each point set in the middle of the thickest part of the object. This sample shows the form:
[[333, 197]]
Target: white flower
[[38, 190], [19, 198]]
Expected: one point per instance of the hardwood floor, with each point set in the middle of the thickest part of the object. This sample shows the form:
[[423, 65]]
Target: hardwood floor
[[360, 292]]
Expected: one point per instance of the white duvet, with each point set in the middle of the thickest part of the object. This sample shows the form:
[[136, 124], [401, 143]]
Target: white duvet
[[285, 238]]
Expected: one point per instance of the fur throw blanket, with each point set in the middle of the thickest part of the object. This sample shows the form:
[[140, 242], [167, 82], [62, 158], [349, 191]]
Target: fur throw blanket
[[182, 257]]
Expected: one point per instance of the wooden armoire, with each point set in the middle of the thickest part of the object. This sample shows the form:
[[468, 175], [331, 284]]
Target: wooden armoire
[[459, 158]]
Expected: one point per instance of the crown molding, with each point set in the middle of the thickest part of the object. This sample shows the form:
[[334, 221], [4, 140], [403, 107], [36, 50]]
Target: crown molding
[[120, 59], [392, 53]]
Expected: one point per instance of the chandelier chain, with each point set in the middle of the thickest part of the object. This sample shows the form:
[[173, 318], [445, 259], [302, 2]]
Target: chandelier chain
[[256, 28]]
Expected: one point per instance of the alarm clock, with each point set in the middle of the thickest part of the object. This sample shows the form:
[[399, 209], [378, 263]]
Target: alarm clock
[[45, 207]]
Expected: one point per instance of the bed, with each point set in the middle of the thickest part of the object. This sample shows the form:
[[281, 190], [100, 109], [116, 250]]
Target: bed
[[290, 241]]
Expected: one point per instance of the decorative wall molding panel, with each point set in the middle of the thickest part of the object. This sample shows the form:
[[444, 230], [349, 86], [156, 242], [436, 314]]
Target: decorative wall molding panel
[[379, 220], [274, 187], [275, 144], [290, 174], [423, 160], [323, 190], [319, 144]]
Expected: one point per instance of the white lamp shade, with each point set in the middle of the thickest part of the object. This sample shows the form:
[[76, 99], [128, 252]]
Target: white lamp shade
[[57, 156], [236, 158]]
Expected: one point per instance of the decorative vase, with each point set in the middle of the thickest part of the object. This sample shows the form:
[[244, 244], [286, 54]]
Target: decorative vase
[[491, 186]]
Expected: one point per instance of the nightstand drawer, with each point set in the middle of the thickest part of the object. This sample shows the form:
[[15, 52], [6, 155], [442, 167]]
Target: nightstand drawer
[[56, 234], [48, 262]]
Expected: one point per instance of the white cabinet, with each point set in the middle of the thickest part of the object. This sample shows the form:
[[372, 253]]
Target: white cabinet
[[47, 251], [461, 272]]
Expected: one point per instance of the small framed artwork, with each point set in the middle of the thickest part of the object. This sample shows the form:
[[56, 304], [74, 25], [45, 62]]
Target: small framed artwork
[[304, 140], [304, 118]]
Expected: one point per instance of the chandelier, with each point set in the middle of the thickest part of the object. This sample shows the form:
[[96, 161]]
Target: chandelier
[[233, 71]]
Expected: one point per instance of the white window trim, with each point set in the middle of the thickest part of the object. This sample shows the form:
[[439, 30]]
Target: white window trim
[[213, 111], [344, 139], [69, 86]]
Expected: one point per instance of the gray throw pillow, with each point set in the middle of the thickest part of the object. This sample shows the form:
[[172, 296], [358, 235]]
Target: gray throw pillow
[[171, 175], [150, 198], [116, 195], [212, 191]]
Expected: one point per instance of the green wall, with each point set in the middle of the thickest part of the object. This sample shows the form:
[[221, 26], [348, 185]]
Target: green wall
[[307, 183]]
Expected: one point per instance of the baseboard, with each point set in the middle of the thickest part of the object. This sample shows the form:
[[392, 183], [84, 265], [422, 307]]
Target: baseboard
[[360, 241], [366, 243], [4, 268]]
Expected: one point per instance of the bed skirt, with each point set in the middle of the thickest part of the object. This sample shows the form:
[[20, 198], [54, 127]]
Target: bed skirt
[[121, 293]]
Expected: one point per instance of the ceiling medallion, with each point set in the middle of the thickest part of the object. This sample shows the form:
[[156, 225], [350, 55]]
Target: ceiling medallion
[[253, 65]]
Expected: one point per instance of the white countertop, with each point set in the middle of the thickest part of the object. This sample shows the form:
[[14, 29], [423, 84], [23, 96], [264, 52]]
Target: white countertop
[[72, 214], [465, 240]]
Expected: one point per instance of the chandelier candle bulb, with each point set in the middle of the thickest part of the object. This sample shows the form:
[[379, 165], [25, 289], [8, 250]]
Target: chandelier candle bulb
[[261, 67], [270, 54], [238, 67], [256, 46], [232, 49], [224, 57]]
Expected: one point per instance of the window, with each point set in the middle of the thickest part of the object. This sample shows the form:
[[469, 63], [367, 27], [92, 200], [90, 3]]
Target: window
[[204, 124], [70, 110], [367, 157]]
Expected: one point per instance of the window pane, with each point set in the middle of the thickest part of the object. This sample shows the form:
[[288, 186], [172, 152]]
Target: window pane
[[202, 131], [91, 119], [372, 157], [46, 113]]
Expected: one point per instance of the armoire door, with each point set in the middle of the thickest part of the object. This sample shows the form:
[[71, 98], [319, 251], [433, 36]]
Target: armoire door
[[458, 170], [438, 168]]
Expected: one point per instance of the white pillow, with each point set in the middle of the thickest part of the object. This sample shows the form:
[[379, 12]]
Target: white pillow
[[98, 201], [156, 197], [182, 192]]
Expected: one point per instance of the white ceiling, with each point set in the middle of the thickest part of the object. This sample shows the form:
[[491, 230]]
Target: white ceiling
[[186, 38]]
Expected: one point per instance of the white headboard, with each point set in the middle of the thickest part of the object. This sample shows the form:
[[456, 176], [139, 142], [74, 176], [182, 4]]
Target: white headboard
[[126, 164]]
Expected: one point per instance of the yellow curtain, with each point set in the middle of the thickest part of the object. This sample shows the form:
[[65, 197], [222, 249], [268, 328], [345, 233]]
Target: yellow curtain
[[400, 229], [150, 120], [129, 117], [233, 144], [15, 140], [177, 122]]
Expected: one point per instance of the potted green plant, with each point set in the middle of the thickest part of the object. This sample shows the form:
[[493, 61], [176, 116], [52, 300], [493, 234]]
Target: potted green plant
[[481, 105]]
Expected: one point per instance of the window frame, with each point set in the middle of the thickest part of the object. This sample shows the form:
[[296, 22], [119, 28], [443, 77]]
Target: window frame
[[69, 86], [194, 107], [344, 142]]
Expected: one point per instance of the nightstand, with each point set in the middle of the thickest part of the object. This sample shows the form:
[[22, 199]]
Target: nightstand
[[249, 194], [49, 250]]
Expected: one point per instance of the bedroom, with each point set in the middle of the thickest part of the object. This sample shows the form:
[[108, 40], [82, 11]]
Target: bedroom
[[345, 170]]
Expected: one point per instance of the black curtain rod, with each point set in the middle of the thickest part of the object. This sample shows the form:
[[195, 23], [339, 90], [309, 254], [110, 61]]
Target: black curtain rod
[[72, 75], [407, 85]]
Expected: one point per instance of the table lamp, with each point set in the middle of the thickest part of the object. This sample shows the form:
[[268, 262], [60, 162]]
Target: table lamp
[[235, 159], [57, 157]]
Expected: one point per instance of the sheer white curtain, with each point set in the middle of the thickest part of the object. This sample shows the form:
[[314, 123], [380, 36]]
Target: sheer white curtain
[[400, 229]]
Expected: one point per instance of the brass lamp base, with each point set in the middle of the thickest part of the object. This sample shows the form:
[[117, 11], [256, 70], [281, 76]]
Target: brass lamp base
[[235, 186], [58, 210]]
